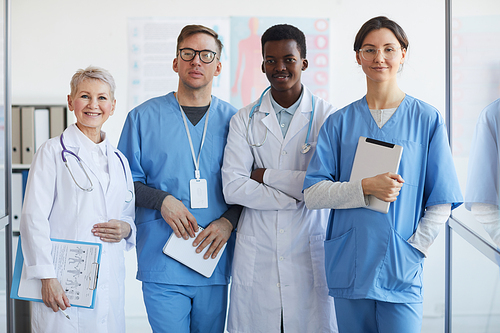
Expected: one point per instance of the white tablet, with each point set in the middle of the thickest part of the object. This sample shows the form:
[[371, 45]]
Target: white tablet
[[374, 157], [184, 252]]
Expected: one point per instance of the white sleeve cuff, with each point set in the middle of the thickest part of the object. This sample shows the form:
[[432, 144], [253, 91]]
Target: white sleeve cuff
[[429, 227], [40, 272], [335, 195]]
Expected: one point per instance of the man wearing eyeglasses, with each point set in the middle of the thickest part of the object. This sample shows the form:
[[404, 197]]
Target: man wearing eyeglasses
[[175, 144]]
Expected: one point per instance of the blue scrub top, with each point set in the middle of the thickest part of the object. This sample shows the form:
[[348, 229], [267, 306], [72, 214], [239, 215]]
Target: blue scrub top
[[483, 179], [366, 252], [155, 142]]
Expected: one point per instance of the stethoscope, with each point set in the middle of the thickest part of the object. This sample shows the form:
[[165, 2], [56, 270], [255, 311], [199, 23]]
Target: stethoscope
[[305, 147], [91, 187]]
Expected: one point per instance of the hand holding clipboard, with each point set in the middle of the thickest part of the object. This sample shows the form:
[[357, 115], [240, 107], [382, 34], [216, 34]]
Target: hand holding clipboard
[[76, 265]]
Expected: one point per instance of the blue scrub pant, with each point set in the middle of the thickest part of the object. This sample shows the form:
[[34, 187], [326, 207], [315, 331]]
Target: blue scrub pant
[[370, 316], [185, 309]]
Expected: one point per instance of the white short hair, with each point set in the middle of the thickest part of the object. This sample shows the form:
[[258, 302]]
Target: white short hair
[[96, 73]]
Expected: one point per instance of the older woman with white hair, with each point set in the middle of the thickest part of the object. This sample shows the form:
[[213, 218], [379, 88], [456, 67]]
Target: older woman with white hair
[[91, 199]]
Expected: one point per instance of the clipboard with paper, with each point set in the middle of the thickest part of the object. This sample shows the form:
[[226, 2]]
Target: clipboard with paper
[[77, 266], [374, 157]]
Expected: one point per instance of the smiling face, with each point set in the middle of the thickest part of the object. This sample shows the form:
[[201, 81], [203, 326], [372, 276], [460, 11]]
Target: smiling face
[[380, 69], [195, 74], [92, 105], [283, 65]]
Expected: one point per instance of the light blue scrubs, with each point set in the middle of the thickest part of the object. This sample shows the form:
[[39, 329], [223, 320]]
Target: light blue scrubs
[[156, 144], [483, 179], [367, 255], [376, 316]]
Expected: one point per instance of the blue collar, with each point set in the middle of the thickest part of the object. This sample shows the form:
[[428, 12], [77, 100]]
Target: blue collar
[[291, 110]]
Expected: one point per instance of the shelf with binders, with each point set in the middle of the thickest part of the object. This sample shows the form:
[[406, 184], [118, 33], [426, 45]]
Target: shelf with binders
[[18, 179], [32, 125]]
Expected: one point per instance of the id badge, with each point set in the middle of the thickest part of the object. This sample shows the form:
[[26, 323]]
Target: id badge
[[199, 193]]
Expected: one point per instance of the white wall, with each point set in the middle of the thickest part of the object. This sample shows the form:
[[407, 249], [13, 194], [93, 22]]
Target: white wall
[[51, 39]]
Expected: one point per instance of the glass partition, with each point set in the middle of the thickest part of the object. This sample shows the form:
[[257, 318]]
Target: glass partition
[[476, 296], [3, 283], [475, 81], [3, 104], [475, 286], [473, 237], [5, 170]]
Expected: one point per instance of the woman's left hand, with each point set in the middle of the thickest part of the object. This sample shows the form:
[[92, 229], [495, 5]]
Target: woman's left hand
[[385, 186], [112, 231]]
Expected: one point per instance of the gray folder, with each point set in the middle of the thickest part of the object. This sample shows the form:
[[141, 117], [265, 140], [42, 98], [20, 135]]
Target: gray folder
[[27, 134], [16, 135], [57, 123]]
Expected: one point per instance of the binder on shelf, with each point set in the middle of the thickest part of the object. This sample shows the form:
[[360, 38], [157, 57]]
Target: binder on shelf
[[17, 199], [16, 135], [57, 122], [374, 157], [27, 134], [76, 265], [42, 126]]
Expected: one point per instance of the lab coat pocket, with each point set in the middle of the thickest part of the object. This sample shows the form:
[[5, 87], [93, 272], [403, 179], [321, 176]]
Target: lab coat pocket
[[316, 244], [340, 260], [402, 266], [244, 260]]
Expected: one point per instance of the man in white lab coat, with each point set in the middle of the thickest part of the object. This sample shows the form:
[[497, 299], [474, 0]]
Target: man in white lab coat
[[278, 275]]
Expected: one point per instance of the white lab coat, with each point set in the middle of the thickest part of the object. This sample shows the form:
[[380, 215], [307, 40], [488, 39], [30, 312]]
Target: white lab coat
[[278, 261], [54, 207]]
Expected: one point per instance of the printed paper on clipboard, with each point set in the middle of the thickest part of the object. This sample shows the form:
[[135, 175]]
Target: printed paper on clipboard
[[184, 252], [374, 157], [76, 265]]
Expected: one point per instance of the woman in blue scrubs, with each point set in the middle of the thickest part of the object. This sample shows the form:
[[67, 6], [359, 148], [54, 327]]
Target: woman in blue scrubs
[[374, 261]]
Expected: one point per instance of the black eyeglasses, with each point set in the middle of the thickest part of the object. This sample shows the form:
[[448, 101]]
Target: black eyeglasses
[[188, 54]]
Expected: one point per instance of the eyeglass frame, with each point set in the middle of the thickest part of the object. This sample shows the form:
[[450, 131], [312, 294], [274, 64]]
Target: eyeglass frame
[[199, 54], [379, 49]]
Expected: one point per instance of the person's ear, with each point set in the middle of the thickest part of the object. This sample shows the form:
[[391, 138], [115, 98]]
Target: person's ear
[[70, 103], [305, 64], [175, 65], [263, 68], [113, 108], [358, 59], [218, 68], [403, 56]]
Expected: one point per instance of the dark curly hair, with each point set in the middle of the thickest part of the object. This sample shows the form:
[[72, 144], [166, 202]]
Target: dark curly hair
[[285, 31]]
